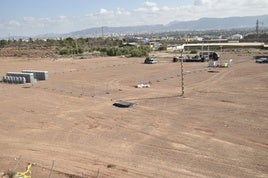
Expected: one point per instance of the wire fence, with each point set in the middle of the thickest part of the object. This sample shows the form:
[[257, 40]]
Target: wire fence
[[83, 88], [79, 90]]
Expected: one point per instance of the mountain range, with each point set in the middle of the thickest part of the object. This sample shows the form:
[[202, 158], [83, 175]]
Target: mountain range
[[194, 25]]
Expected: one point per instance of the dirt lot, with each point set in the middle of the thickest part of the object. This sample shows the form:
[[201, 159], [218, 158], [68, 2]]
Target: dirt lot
[[218, 129]]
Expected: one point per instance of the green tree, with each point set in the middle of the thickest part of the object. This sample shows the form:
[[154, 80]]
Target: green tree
[[112, 51], [162, 48], [30, 40], [3, 43], [65, 51]]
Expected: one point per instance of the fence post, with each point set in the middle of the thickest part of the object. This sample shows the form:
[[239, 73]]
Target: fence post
[[51, 170], [16, 166]]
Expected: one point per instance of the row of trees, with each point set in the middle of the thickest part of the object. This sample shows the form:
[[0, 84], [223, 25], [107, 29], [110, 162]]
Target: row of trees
[[133, 51], [71, 46]]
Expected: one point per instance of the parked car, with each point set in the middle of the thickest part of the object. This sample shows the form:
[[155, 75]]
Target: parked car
[[262, 60], [175, 59], [214, 56], [206, 56], [150, 60], [194, 59]]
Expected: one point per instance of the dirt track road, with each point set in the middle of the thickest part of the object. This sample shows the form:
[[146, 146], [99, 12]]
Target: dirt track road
[[219, 129]]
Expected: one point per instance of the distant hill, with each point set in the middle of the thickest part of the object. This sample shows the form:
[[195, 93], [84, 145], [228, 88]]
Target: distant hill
[[116, 30], [218, 23], [200, 24]]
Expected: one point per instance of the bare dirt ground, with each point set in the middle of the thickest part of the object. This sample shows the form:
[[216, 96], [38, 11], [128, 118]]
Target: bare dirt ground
[[219, 129]]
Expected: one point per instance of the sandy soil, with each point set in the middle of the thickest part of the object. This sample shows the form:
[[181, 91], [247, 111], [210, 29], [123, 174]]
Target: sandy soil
[[218, 129]]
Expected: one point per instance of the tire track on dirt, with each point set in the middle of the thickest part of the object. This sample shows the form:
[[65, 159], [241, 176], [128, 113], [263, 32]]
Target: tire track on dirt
[[209, 82], [223, 72]]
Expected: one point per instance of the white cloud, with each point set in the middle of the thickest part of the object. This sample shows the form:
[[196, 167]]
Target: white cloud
[[62, 17], [141, 9], [232, 4], [155, 8], [148, 13], [150, 4], [28, 19], [14, 23], [166, 8], [119, 11], [103, 11], [205, 2]]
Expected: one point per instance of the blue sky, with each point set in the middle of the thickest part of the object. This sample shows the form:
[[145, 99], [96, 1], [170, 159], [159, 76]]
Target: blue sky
[[44, 8], [33, 17]]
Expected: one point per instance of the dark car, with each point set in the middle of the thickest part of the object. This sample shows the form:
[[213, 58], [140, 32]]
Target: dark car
[[214, 56], [194, 59], [175, 59], [150, 60], [262, 60], [209, 55]]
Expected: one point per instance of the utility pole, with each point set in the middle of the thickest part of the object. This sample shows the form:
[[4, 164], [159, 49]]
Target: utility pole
[[262, 28], [182, 75], [202, 49], [221, 56], [102, 33], [257, 27], [76, 46]]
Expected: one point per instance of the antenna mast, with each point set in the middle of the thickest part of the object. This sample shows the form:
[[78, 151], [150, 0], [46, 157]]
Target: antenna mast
[[257, 27]]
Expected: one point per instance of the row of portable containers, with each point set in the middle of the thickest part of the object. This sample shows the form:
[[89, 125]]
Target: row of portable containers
[[38, 75], [29, 75], [15, 80]]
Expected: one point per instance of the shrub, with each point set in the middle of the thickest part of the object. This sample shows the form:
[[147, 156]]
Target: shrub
[[194, 51], [3, 43], [162, 48], [64, 51]]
